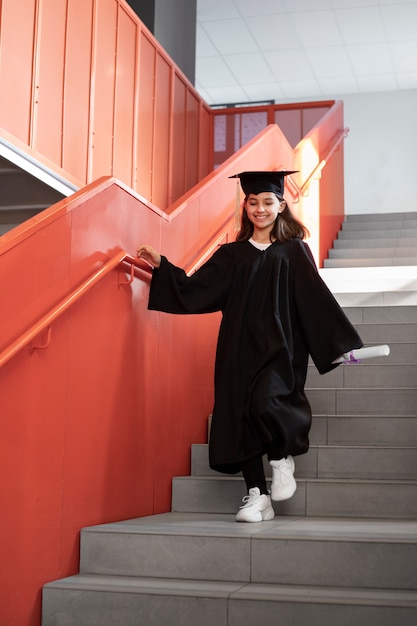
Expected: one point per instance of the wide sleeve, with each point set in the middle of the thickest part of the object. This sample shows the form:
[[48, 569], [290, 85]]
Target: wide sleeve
[[326, 329], [205, 291]]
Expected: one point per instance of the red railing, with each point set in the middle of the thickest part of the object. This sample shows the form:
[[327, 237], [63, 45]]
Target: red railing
[[121, 256], [88, 92], [47, 320], [234, 126]]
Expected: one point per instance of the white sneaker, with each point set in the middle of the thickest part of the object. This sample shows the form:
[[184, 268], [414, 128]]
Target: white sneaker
[[257, 507], [283, 481]]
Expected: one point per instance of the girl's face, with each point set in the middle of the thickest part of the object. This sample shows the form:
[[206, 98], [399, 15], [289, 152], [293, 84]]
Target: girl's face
[[262, 209]]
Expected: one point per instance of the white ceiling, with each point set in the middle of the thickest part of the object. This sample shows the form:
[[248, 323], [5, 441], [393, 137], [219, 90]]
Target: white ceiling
[[289, 50]]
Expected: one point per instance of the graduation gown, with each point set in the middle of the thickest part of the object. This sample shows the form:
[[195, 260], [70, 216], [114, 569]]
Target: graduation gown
[[276, 311]]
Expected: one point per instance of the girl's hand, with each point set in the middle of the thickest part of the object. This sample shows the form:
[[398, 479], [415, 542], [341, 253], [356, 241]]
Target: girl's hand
[[149, 254]]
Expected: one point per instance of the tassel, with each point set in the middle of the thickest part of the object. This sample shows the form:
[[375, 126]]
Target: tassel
[[237, 206]]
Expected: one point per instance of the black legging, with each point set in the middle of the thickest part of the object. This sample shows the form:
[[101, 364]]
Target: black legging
[[254, 474]]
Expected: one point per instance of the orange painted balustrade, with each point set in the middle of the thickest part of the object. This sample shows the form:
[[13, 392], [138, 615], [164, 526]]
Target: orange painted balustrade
[[87, 91], [319, 157], [101, 399]]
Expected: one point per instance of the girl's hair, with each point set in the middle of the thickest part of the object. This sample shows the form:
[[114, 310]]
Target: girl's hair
[[286, 226]]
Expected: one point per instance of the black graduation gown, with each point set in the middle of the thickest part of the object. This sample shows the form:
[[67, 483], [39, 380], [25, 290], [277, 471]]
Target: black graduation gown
[[276, 311]]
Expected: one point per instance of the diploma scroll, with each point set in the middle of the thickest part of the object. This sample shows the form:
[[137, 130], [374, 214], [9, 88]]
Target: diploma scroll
[[355, 356]]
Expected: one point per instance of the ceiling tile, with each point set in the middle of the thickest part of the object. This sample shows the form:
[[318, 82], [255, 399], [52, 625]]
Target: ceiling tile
[[274, 34], [249, 68], [306, 5], [400, 21], [230, 36], [216, 9], [204, 47], [249, 8], [289, 64], [317, 28], [224, 95], [305, 48], [377, 82], [370, 59], [347, 4], [215, 72], [404, 56], [300, 88], [330, 61], [267, 91], [361, 25], [338, 85]]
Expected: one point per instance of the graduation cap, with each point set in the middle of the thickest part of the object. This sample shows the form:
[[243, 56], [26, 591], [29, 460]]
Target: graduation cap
[[258, 182]]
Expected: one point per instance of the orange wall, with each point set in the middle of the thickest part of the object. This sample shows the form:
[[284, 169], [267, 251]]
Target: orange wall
[[87, 90], [95, 426], [319, 157]]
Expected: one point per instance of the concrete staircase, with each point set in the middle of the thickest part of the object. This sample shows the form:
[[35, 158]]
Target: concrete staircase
[[375, 240], [22, 194], [342, 551], [373, 261]]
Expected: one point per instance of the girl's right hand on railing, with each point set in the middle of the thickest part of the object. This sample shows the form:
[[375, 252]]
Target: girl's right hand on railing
[[149, 254]]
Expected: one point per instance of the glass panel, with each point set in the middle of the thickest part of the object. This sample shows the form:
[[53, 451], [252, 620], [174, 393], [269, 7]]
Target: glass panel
[[289, 121]]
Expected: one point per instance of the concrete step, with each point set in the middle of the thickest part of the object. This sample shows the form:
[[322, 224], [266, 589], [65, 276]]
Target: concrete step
[[351, 526], [331, 461], [365, 374], [364, 430], [361, 430], [378, 242], [379, 233], [385, 499], [382, 314], [201, 547], [377, 401], [384, 333], [111, 600], [369, 253], [382, 261], [384, 297], [381, 217], [380, 225]]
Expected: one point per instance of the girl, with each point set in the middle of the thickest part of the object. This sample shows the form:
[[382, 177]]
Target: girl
[[276, 311]]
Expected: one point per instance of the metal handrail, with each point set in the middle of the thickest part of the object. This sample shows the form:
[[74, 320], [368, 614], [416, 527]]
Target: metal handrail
[[45, 322], [319, 167], [122, 257]]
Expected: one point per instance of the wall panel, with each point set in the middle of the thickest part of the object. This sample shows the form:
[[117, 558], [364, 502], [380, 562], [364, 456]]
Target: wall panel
[[179, 107], [124, 109], [193, 139], [49, 80], [146, 117], [102, 89], [17, 23], [205, 159], [77, 87], [162, 135], [102, 101]]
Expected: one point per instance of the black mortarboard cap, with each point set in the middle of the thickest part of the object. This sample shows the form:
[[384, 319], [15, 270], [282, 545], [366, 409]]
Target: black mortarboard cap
[[258, 182]]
